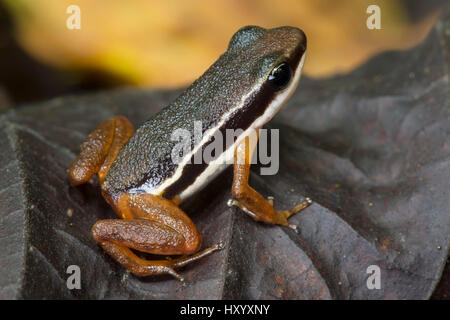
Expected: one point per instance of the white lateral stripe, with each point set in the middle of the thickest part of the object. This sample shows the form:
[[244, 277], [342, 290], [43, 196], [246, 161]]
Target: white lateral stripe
[[208, 134], [216, 166]]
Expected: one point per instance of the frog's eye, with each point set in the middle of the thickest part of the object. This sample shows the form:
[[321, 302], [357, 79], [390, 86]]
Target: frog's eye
[[280, 76]]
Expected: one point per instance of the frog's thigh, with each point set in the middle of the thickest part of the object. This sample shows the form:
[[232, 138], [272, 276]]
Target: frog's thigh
[[153, 225], [99, 150], [248, 199]]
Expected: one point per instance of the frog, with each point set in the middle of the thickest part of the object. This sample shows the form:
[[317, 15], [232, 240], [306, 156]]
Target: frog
[[243, 89]]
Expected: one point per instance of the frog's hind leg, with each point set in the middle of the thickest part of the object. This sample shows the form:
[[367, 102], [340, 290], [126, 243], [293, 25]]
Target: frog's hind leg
[[99, 150], [153, 225]]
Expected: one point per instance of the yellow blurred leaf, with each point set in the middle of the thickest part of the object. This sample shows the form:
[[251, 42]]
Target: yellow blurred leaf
[[170, 43]]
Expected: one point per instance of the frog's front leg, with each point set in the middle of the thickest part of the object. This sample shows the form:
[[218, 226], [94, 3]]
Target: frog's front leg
[[247, 198], [153, 225]]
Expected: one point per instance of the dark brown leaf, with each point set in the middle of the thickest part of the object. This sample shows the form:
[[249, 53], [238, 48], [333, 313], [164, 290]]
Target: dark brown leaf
[[370, 148]]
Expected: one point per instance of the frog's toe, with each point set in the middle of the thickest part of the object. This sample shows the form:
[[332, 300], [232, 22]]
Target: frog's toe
[[294, 227], [297, 208]]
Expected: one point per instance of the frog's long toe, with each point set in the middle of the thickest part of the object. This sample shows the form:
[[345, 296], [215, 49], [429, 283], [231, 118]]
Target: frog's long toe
[[297, 208]]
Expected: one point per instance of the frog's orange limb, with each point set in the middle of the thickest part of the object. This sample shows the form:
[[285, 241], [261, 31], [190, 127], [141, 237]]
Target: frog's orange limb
[[99, 150], [150, 224], [248, 199], [142, 267]]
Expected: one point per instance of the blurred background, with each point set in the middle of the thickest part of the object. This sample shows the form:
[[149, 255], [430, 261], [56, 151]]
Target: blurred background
[[164, 44]]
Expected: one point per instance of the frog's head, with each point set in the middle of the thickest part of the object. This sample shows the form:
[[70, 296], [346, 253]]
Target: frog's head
[[251, 80], [273, 61]]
